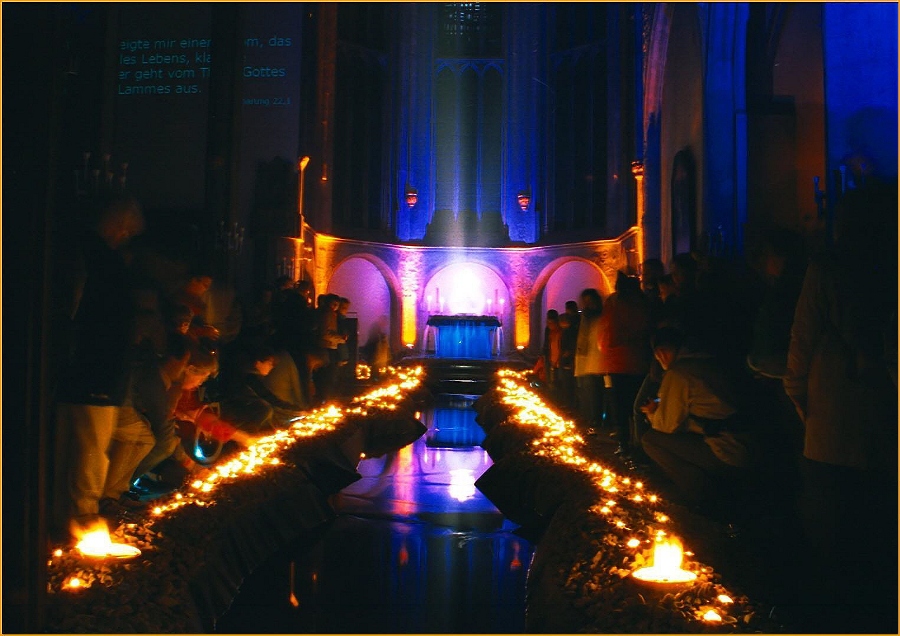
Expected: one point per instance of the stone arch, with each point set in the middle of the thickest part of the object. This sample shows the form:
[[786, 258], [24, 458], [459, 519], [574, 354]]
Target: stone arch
[[454, 288], [373, 290], [548, 294], [681, 110], [468, 287]]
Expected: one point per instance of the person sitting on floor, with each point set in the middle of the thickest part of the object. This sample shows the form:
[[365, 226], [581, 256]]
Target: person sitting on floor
[[249, 403], [698, 437]]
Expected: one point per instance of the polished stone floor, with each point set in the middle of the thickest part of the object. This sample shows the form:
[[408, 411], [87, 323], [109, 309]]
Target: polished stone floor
[[415, 548]]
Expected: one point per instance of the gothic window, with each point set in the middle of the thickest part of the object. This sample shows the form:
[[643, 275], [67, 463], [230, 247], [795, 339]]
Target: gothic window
[[469, 29], [467, 135], [468, 108]]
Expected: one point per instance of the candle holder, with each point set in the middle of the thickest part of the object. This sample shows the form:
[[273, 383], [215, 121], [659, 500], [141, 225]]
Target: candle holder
[[231, 238], [94, 180], [664, 571], [97, 544]]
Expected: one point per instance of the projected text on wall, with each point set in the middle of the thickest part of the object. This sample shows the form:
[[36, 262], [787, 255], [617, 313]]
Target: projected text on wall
[[181, 66], [163, 67]]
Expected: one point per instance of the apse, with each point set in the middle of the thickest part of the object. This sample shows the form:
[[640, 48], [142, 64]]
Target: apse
[[360, 281], [466, 289], [567, 283], [466, 304]]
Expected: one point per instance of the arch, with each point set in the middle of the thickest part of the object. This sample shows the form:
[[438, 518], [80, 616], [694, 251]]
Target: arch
[[466, 287], [372, 289], [682, 114], [564, 279], [654, 70]]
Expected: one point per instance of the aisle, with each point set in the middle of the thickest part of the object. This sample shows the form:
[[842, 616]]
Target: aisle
[[415, 548]]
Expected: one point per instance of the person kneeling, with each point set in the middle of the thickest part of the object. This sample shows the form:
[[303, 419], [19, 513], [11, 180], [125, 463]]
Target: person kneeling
[[248, 401], [697, 437]]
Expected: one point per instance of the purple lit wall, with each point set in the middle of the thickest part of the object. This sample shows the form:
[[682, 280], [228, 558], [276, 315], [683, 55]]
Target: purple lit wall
[[567, 283], [682, 130], [361, 282], [466, 288], [413, 283]]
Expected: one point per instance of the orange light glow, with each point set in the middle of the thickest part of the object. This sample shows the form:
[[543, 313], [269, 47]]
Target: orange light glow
[[404, 492], [409, 320], [74, 583], [516, 563], [403, 555], [666, 565], [523, 337], [637, 169], [95, 542]]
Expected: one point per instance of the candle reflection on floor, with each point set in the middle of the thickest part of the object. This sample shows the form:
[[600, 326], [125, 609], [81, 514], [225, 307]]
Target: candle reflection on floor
[[415, 549]]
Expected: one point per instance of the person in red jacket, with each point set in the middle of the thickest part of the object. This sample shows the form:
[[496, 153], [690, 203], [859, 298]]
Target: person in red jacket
[[624, 340], [192, 408]]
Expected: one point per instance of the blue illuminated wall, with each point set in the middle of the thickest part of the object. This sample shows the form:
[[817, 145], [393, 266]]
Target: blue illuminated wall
[[514, 160], [860, 48]]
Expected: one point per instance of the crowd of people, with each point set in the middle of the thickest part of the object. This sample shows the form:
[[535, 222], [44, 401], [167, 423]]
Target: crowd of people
[[723, 377], [144, 373], [775, 383]]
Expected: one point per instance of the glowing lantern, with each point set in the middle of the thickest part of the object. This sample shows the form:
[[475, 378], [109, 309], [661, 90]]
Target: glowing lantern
[[412, 196], [666, 565], [524, 199]]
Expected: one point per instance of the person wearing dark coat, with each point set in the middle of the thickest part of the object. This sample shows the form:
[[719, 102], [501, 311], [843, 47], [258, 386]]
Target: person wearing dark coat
[[840, 378], [94, 381]]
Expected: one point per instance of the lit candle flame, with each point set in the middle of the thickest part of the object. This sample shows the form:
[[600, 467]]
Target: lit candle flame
[[712, 616], [96, 542], [666, 565]]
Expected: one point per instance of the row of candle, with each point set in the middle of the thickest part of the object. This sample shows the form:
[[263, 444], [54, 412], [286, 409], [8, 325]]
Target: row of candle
[[254, 460], [560, 442]]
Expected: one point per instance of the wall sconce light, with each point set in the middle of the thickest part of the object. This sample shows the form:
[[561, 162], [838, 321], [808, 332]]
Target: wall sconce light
[[524, 199], [412, 196]]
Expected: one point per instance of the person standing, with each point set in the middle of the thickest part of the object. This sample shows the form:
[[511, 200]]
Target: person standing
[[839, 378], [625, 344], [589, 364], [550, 351], [96, 375]]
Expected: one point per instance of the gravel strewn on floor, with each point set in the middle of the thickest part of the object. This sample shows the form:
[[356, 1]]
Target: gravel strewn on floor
[[593, 528], [194, 558]]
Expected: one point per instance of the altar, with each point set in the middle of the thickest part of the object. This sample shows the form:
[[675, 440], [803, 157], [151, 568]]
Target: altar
[[463, 336]]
